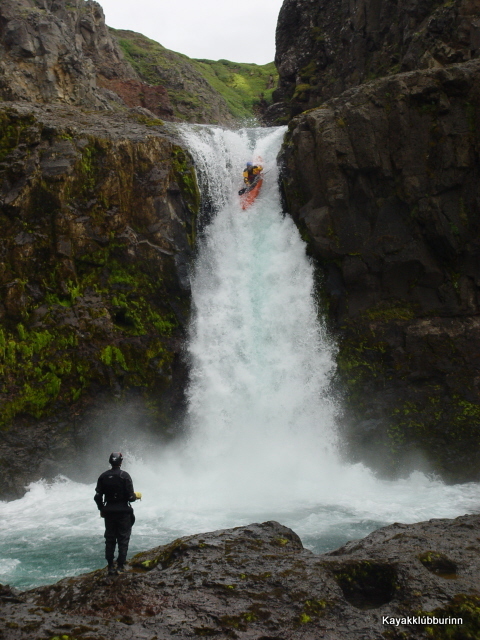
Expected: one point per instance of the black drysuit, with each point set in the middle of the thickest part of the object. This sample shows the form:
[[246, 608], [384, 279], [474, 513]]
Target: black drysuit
[[114, 492]]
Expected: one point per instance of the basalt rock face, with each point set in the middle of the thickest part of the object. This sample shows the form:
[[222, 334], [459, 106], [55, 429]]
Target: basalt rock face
[[62, 51], [384, 182], [325, 47], [97, 219], [258, 583]]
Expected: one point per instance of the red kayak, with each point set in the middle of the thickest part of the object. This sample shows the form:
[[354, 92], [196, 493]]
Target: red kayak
[[249, 197]]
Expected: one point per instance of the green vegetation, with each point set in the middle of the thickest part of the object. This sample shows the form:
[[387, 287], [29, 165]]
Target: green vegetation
[[200, 90], [166, 557], [241, 85], [41, 367], [464, 606], [439, 564], [311, 611], [148, 122], [88, 307], [14, 129], [390, 311], [187, 180]]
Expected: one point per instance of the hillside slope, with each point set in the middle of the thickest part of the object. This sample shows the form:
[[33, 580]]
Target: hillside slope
[[200, 90]]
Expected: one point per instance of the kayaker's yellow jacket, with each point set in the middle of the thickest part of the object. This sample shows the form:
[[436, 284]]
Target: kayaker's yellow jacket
[[249, 175]]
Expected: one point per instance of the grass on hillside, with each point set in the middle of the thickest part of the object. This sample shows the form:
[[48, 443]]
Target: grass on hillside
[[241, 85]]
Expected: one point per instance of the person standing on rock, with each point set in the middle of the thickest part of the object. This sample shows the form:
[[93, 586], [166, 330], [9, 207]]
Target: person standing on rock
[[113, 495]]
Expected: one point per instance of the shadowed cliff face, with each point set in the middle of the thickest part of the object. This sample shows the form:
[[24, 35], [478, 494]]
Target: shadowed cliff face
[[97, 223], [326, 47], [258, 582], [384, 182]]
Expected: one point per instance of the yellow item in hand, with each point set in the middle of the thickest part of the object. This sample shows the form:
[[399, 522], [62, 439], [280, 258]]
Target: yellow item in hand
[[138, 495]]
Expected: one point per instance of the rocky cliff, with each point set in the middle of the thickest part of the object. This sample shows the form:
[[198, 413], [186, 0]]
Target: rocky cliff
[[384, 183], [53, 50], [97, 219], [62, 51], [325, 47], [258, 583]]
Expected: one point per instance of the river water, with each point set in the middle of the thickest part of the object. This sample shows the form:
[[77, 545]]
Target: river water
[[261, 442]]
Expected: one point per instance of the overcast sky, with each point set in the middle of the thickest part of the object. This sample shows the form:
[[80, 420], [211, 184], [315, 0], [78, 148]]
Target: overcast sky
[[213, 29]]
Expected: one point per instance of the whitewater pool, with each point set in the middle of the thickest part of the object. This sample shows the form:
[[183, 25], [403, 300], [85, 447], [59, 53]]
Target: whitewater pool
[[55, 530]]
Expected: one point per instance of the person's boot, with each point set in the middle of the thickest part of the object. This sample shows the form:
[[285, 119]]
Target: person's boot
[[121, 561], [111, 569]]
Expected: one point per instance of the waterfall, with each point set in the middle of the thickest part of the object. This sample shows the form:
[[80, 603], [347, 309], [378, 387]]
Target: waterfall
[[261, 361], [260, 438]]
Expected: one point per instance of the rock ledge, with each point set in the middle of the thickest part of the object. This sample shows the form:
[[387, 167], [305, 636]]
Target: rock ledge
[[258, 582]]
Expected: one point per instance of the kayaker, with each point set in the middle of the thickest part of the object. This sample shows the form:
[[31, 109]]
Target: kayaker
[[251, 173], [251, 176], [113, 495]]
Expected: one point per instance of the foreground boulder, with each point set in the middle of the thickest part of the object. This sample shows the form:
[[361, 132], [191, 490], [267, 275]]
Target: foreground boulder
[[259, 583]]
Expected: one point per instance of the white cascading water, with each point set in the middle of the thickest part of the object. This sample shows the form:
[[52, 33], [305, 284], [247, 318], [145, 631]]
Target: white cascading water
[[261, 440], [259, 407]]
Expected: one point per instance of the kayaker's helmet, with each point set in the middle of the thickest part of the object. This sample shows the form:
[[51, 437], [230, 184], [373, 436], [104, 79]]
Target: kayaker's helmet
[[115, 459], [249, 164]]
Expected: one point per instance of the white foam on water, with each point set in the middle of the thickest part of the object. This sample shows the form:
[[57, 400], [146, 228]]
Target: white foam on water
[[7, 565], [261, 441]]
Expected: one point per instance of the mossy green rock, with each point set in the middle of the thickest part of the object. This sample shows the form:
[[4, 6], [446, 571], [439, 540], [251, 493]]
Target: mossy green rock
[[98, 222]]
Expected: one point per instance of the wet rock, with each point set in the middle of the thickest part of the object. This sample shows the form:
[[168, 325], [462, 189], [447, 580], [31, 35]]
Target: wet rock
[[383, 182], [324, 48], [259, 582], [97, 218]]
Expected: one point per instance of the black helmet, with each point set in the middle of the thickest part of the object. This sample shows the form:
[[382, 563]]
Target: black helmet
[[115, 459]]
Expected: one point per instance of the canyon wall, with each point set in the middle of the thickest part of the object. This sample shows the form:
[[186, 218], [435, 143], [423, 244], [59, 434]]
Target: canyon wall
[[325, 47], [98, 201], [384, 183], [97, 218]]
